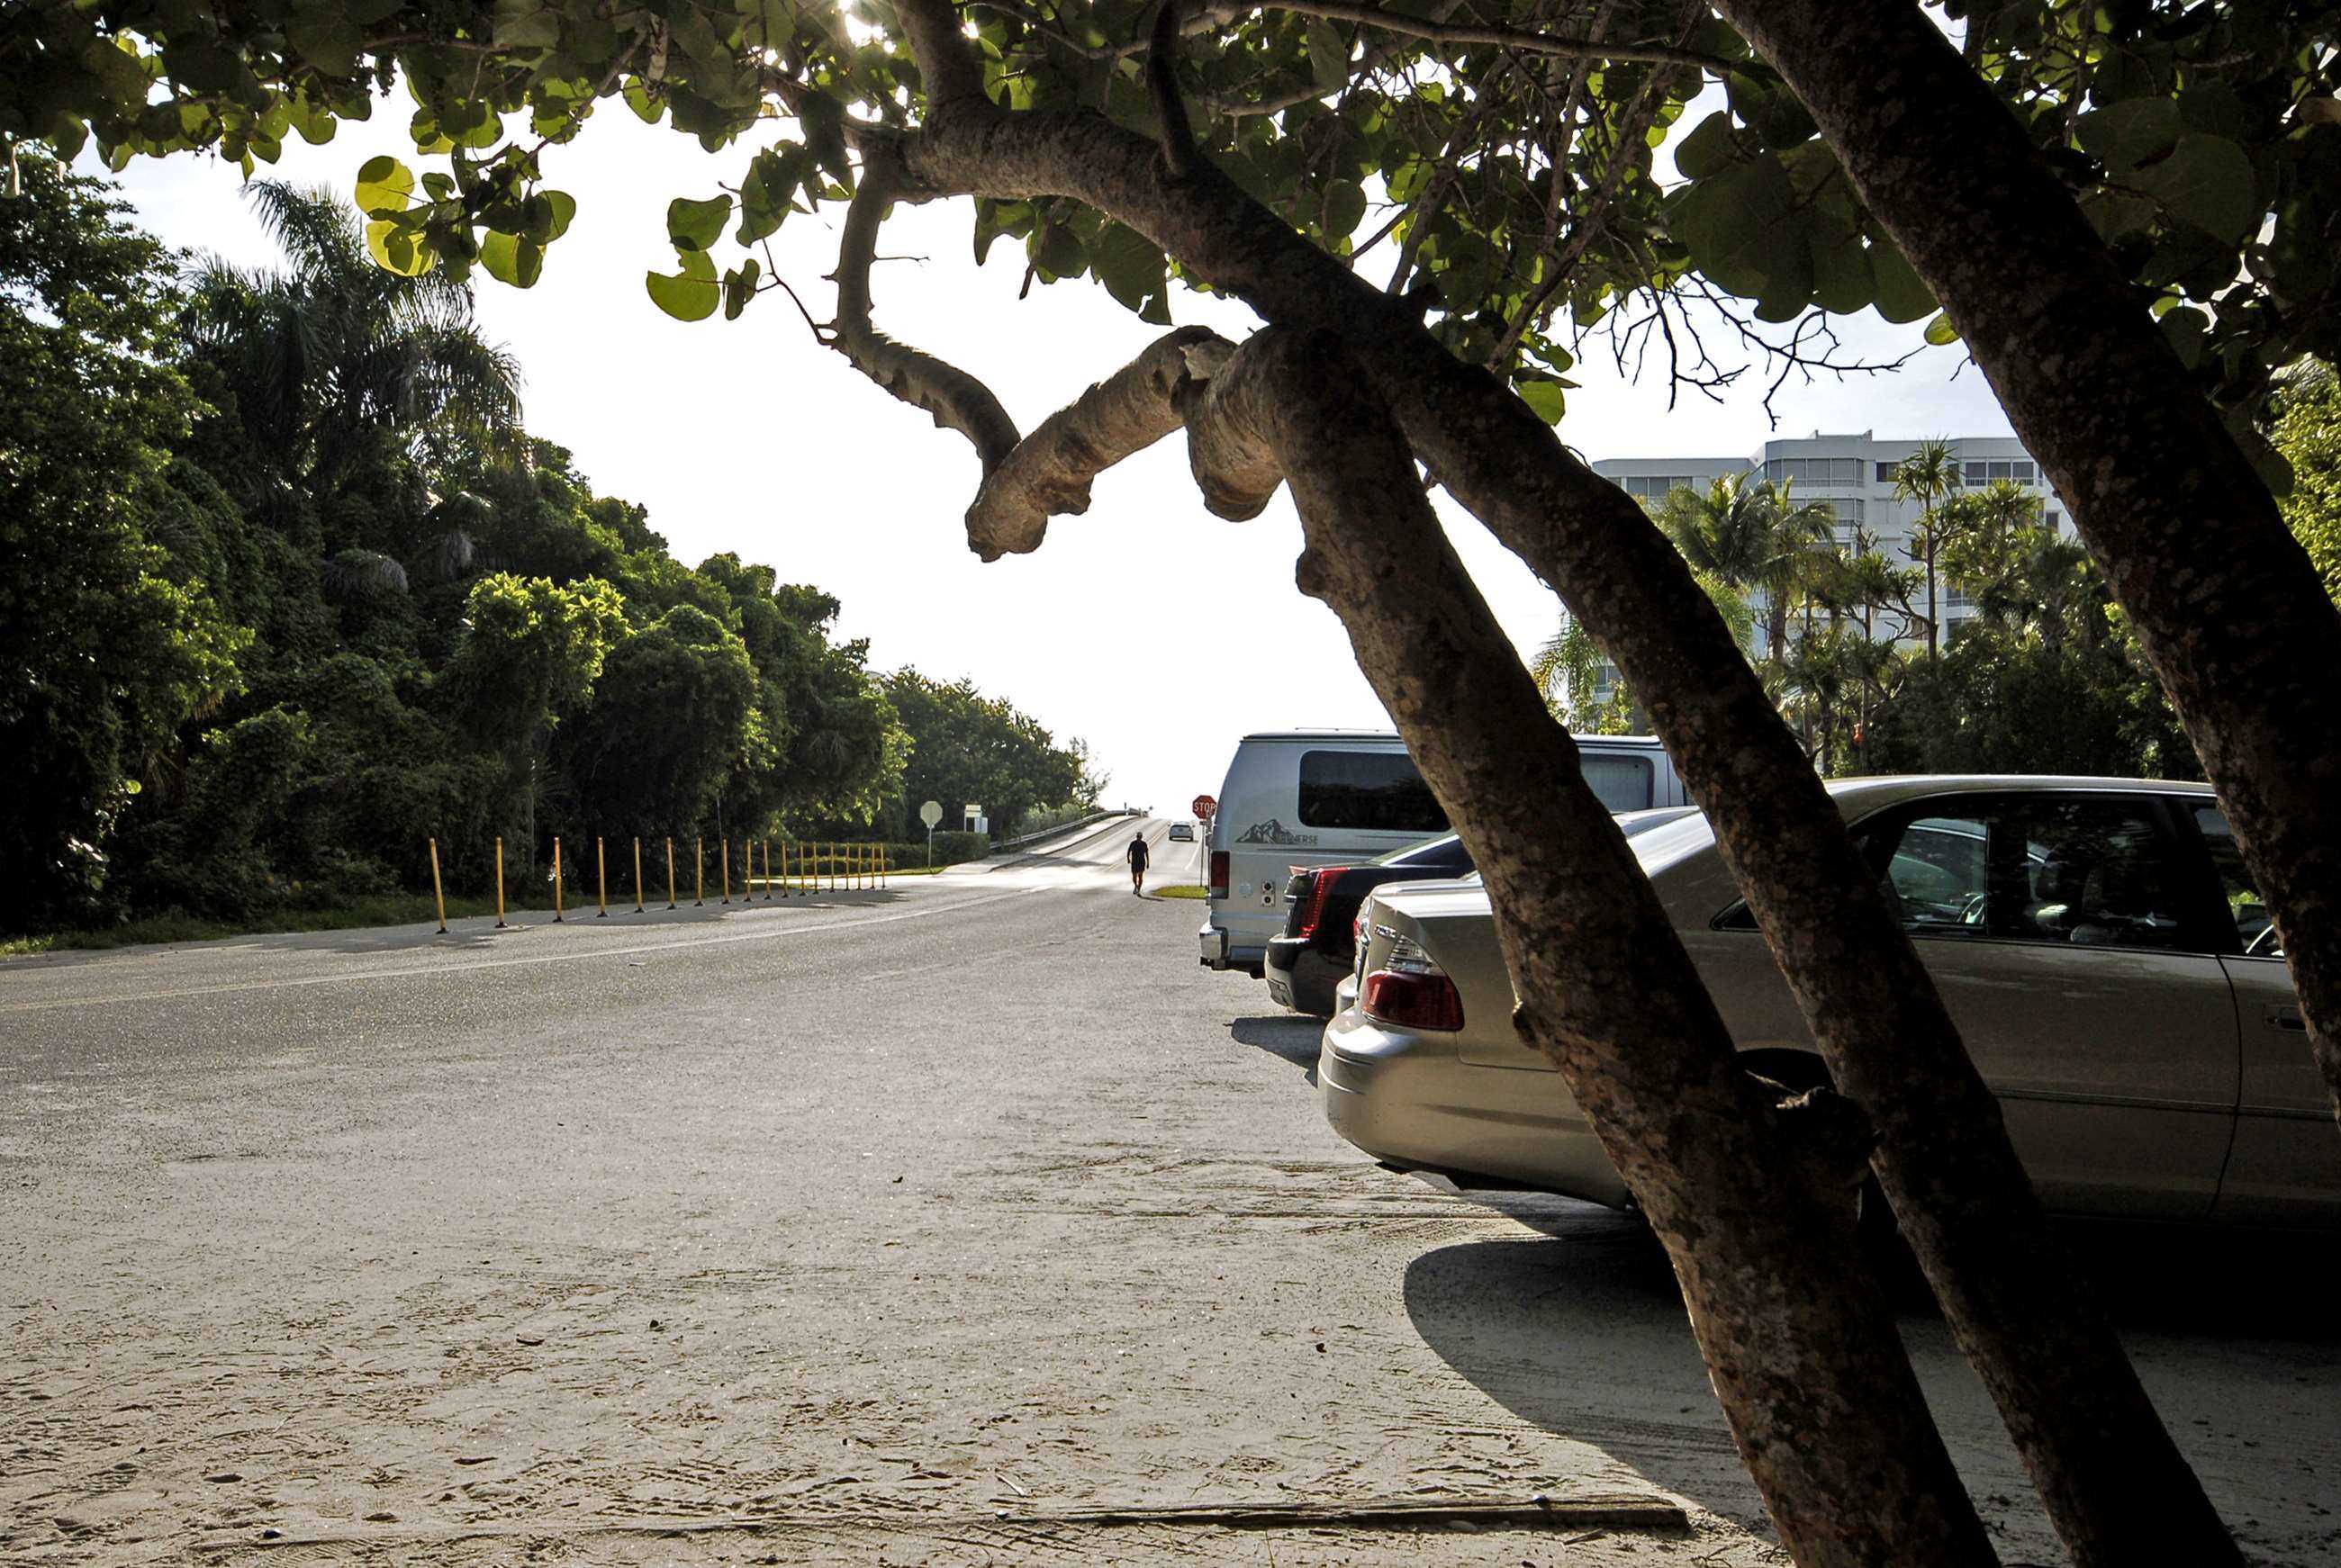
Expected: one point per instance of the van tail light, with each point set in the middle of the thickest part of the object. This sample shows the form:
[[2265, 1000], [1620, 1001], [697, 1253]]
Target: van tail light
[[1410, 989], [1218, 873], [1313, 909]]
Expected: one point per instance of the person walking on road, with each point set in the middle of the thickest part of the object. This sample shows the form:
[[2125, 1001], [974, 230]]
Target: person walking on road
[[1137, 855]]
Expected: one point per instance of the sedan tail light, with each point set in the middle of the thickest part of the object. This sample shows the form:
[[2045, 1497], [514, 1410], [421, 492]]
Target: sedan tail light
[[1313, 909], [1218, 873], [1410, 989]]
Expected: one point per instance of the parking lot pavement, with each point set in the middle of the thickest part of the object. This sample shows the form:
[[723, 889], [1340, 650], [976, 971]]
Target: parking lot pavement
[[887, 1226]]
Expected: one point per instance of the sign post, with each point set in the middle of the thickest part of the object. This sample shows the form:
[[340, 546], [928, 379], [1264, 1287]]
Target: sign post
[[1205, 808], [931, 813]]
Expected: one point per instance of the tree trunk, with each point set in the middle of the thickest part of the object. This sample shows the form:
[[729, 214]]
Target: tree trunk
[[2240, 631], [1943, 1157], [2226, 604], [1750, 1198]]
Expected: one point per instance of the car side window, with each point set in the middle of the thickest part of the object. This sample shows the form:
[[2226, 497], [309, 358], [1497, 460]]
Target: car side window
[[2254, 927], [1937, 875], [2079, 871]]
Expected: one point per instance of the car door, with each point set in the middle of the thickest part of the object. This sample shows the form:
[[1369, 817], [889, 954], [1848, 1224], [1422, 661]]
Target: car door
[[2286, 1167], [2070, 933]]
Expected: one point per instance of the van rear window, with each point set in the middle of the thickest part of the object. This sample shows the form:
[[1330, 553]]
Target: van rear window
[[1620, 783], [1376, 791]]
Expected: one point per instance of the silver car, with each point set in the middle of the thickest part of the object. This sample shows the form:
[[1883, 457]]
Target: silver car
[[2098, 941]]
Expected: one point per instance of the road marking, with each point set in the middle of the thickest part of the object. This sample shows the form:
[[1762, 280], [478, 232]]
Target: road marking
[[418, 971]]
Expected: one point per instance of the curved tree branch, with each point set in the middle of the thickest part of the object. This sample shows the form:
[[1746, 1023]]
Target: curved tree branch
[[946, 64], [957, 399], [1171, 126], [1526, 43], [1050, 471]]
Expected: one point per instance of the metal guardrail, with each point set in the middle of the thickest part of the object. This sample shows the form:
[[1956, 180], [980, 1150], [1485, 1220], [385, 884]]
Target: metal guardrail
[[1063, 827]]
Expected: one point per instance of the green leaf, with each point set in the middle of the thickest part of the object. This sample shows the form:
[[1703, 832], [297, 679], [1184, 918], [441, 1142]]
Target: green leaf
[[1902, 295], [512, 259], [1547, 400], [1767, 108], [1740, 226], [1940, 333], [740, 287], [563, 208], [690, 296], [1328, 55], [2185, 327], [1055, 249], [1129, 264], [384, 186], [326, 38], [526, 25], [697, 225], [394, 249], [1709, 149], [1345, 208], [1841, 280], [2129, 133], [647, 108], [767, 191], [2207, 181]]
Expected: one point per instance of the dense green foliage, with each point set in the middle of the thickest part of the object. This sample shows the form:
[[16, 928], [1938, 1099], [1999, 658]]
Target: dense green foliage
[[285, 591], [2308, 434], [1494, 158], [967, 747], [2043, 677]]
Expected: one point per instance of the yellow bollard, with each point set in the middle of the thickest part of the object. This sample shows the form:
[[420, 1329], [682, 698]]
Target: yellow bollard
[[670, 873], [437, 891], [862, 867], [768, 871], [723, 853], [699, 876], [556, 877], [601, 876], [881, 865], [638, 875], [832, 858], [500, 881]]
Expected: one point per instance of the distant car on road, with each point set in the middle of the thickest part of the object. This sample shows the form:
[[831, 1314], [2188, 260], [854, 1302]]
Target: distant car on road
[[1317, 947], [1182, 833], [2098, 941]]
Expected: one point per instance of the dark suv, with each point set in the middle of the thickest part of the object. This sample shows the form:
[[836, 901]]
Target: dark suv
[[1319, 944]]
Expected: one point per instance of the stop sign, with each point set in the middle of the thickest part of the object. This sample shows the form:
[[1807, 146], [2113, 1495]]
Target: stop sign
[[1204, 807]]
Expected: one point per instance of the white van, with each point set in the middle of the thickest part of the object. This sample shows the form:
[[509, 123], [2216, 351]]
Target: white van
[[1331, 796]]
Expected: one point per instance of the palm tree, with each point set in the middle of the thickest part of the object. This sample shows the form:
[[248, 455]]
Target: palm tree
[[1754, 536], [1568, 666], [331, 351], [1929, 476]]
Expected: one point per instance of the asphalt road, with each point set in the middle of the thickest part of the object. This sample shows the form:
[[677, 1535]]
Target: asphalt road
[[840, 1228]]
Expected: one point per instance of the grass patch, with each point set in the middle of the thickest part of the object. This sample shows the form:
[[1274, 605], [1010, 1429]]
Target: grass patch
[[390, 909], [396, 909], [1180, 890]]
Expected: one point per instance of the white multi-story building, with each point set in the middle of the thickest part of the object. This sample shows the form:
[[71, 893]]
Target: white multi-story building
[[1855, 474]]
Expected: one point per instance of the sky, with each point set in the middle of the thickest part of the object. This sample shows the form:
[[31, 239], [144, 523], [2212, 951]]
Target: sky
[[1151, 629]]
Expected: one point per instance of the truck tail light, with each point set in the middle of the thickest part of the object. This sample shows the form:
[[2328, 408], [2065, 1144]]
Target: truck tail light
[[1218, 873], [1410, 989], [1320, 888]]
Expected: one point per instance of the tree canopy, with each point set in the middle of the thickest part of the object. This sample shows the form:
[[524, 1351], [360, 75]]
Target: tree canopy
[[1501, 158], [288, 590]]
